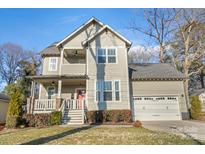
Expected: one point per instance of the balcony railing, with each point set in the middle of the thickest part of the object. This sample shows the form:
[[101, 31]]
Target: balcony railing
[[45, 104], [78, 69]]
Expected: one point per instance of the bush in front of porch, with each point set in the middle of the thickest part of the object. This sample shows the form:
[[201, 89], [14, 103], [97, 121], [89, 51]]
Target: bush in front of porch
[[42, 119], [108, 116]]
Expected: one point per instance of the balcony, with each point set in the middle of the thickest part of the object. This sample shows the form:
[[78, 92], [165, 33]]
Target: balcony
[[74, 62], [76, 69]]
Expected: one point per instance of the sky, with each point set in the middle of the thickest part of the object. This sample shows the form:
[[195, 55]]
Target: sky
[[35, 29]]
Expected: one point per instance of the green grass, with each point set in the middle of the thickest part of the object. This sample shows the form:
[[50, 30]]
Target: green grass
[[90, 135]]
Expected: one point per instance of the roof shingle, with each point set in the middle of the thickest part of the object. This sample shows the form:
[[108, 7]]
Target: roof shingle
[[154, 71]]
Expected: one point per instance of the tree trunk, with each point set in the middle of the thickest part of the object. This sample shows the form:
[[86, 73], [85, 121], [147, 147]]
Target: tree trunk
[[161, 54], [202, 79]]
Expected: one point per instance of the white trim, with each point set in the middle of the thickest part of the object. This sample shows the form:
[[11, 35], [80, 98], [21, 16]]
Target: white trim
[[77, 30], [122, 37], [106, 55], [118, 91], [74, 47], [56, 68], [40, 90], [112, 30], [61, 60], [102, 91]]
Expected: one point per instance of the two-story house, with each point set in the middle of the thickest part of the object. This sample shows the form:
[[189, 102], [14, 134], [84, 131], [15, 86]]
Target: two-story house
[[88, 70]]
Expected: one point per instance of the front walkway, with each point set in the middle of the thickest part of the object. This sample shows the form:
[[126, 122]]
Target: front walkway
[[191, 129]]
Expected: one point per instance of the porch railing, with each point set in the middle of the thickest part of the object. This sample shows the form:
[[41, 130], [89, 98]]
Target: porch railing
[[74, 104], [45, 104]]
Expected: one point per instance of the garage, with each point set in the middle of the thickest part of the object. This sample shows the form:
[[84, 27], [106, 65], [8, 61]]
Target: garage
[[156, 108]]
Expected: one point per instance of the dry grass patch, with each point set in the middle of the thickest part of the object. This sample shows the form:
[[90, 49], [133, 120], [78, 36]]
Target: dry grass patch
[[90, 135]]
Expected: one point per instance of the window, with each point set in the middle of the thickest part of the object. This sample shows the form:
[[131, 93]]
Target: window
[[51, 91], [111, 56], [107, 93], [117, 91], [53, 64], [101, 55], [98, 89], [106, 55]]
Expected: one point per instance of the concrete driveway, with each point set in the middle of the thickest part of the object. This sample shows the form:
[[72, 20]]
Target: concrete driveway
[[192, 129]]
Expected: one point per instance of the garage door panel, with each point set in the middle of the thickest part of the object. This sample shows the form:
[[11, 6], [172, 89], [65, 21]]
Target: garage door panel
[[156, 108]]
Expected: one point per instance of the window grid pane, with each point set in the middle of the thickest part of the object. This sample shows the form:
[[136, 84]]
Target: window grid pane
[[111, 52]]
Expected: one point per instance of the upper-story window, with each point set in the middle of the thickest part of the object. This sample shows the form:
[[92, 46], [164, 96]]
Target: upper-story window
[[106, 55], [53, 63], [101, 55]]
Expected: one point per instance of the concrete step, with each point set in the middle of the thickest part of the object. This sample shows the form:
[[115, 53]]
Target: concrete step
[[68, 118], [72, 121]]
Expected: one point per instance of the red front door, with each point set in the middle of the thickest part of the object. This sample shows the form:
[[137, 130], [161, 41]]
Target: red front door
[[80, 97]]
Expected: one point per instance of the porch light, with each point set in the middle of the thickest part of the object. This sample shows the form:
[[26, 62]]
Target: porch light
[[53, 83]]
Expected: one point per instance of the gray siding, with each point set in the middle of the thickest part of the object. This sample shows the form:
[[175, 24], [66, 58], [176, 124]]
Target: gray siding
[[112, 72]]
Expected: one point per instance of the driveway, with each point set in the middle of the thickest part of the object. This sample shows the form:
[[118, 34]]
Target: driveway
[[191, 129]]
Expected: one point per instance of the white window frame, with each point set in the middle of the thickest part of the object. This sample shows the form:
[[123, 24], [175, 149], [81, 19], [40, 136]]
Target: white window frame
[[119, 90], [54, 90], [102, 91], [102, 82], [49, 64], [111, 55], [106, 55]]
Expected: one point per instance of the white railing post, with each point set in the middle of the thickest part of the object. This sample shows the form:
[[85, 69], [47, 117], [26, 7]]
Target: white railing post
[[82, 103]]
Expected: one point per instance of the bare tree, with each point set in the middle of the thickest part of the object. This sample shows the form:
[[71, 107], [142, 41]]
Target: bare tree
[[141, 54], [158, 27], [10, 55], [189, 43]]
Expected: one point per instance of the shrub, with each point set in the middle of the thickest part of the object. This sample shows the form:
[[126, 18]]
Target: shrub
[[137, 124], [12, 121], [15, 108], [90, 115], [195, 107], [114, 116], [56, 118], [29, 120], [42, 119]]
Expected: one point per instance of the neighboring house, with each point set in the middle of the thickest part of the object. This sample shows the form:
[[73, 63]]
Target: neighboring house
[[88, 70], [4, 104]]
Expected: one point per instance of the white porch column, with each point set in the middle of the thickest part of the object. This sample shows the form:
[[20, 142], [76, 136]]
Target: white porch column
[[61, 60], [59, 88]]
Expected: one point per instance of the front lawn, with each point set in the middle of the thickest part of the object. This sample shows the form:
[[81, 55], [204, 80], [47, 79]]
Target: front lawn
[[90, 135]]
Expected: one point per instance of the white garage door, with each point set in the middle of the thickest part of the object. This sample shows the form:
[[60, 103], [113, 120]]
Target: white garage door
[[156, 108]]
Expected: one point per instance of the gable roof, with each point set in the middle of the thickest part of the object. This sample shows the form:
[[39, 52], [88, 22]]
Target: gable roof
[[159, 71], [4, 97], [103, 29], [50, 50], [53, 49], [80, 28]]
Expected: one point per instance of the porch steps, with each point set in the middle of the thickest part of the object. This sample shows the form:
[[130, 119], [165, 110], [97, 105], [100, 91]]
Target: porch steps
[[72, 117]]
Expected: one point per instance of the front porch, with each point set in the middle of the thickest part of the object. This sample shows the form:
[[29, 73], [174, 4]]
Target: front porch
[[65, 94]]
